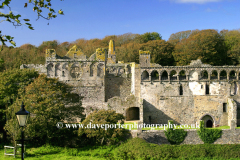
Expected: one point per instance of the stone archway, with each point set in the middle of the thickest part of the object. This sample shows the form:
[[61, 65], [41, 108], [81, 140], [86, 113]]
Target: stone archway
[[209, 124], [208, 120], [132, 114]]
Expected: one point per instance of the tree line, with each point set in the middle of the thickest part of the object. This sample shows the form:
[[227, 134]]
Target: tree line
[[211, 46]]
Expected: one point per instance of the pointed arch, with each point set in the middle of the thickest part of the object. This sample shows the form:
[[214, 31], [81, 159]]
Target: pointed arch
[[164, 75], [154, 75], [50, 72], [182, 75], [173, 75], [145, 75]]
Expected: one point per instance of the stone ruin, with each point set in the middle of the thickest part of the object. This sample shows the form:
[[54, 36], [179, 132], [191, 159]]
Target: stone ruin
[[147, 92]]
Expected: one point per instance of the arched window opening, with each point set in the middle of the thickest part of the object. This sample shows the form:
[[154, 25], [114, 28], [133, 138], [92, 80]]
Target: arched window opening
[[214, 75], [224, 107], [173, 75], [154, 75], [223, 75], [164, 76], [100, 72], [57, 70], [65, 70], [232, 75], [203, 75], [132, 114], [182, 75], [233, 89], [50, 72], [207, 89], [91, 70], [180, 90], [145, 75]]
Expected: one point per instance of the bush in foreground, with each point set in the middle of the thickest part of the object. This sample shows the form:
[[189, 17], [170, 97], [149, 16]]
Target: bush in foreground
[[176, 136], [103, 128], [208, 136], [137, 148]]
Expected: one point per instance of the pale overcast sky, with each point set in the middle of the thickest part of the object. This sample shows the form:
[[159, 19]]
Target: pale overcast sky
[[98, 18]]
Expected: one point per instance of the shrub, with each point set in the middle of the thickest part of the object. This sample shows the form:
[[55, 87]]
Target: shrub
[[100, 135], [176, 136], [208, 135]]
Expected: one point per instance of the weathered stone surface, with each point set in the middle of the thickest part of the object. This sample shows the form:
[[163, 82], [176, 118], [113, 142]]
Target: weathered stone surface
[[185, 94], [158, 137]]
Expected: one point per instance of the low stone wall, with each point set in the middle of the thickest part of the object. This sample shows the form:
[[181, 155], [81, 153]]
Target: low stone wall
[[158, 137]]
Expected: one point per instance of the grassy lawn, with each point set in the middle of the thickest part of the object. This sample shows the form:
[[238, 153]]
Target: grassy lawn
[[135, 148], [54, 153]]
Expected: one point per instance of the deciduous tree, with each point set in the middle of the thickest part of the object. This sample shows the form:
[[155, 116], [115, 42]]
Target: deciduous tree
[[49, 101], [207, 45], [232, 41], [38, 6], [161, 52]]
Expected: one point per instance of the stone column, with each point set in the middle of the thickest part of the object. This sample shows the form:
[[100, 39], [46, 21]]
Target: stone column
[[219, 76], [227, 76], [237, 76], [178, 77], [209, 76], [150, 78], [169, 78], [187, 78]]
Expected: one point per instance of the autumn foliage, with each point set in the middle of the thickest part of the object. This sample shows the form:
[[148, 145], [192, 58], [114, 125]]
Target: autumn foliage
[[211, 46]]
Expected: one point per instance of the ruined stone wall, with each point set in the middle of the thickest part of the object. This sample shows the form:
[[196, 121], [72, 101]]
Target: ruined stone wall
[[118, 81], [163, 102], [122, 106], [38, 67], [158, 137]]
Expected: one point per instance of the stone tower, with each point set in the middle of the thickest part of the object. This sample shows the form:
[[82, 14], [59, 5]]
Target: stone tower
[[111, 52], [144, 58]]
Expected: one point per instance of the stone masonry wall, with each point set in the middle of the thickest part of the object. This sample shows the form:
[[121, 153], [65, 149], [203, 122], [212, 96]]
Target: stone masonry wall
[[158, 137]]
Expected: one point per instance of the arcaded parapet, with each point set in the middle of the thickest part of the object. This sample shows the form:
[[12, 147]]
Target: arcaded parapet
[[232, 113]]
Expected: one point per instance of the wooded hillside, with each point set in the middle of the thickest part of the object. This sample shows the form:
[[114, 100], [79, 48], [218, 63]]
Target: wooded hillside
[[211, 46]]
